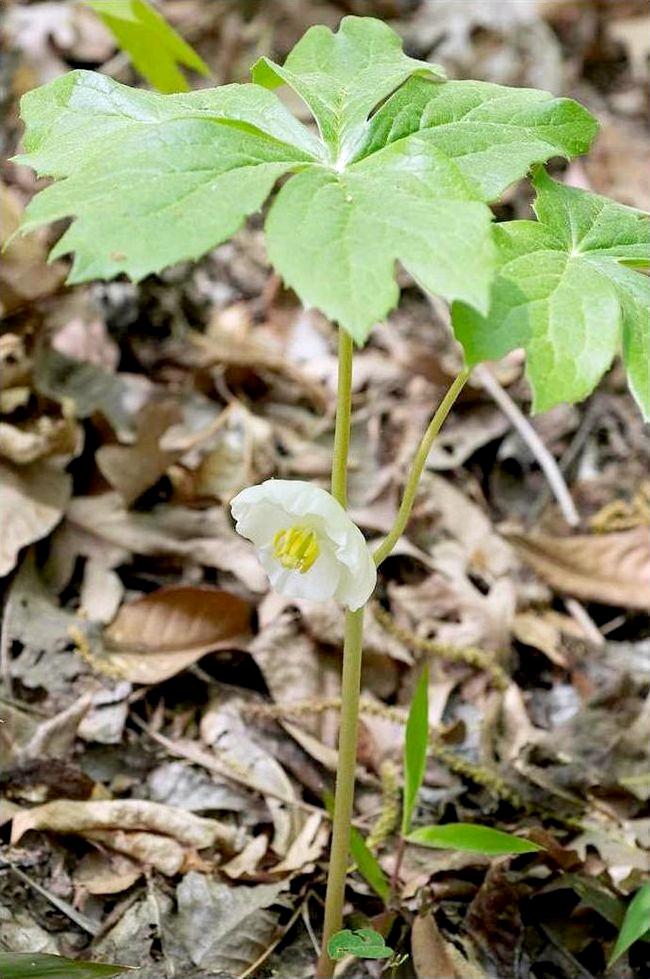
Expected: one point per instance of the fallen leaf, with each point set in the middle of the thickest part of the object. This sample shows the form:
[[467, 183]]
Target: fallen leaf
[[32, 500], [244, 865], [465, 435], [198, 536], [132, 469], [91, 388], [433, 955], [101, 592], [106, 873], [155, 637], [24, 272], [186, 787], [154, 834], [43, 437], [224, 929], [610, 568], [307, 847], [230, 739]]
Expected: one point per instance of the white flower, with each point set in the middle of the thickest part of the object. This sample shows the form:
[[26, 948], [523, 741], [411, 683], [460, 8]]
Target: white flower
[[306, 542]]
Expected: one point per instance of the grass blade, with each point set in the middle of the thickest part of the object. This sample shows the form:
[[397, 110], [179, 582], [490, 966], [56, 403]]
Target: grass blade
[[415, 748]]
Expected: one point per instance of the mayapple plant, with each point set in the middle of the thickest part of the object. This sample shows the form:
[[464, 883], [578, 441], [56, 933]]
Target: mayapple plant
[[403, 167]]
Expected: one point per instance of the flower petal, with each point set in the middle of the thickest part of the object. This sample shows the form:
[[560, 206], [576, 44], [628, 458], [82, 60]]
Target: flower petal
[[344, 568]]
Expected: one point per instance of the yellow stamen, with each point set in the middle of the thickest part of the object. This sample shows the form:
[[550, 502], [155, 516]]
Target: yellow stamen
[[296, 548]]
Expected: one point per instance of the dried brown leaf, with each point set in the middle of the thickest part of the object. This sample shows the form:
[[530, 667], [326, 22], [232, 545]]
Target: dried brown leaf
[[433, 955], [611, 568], [152, 833], [159, 635], [132, 469], [106, 873], [32, 501], [200, 536], [43, 437], [24, 272]]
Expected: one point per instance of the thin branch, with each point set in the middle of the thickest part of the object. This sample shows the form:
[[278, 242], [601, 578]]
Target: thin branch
[[546, 461]]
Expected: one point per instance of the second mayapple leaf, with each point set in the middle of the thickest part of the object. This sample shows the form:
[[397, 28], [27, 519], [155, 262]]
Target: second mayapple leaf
[[152, 180], [567, 292], [155, 49]]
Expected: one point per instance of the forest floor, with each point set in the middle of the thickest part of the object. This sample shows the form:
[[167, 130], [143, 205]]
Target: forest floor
[[144, 660]]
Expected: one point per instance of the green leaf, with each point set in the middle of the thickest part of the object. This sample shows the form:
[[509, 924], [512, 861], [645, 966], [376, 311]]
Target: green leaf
[[334, 238], [39, 966], [364, 943], [368, 865], [154, 47], [415, 748], [343, 76], [636, 923], [567, 292], [153, 180], [472, 839]]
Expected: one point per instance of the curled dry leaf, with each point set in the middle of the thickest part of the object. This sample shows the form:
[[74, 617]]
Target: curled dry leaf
[[44, 437], [155, 637], [149, 832], [32, 501], [611, 568]]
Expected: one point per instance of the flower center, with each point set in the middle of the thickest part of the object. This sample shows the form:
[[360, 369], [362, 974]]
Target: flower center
[[296, 548]]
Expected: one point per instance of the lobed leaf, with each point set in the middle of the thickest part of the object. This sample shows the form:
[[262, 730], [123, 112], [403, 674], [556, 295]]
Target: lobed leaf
[[364, 943], [152, 180], [343, 76], [155, 49], [567, 292]]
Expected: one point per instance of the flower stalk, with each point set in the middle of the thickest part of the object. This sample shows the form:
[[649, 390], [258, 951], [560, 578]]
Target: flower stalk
[[353, 641]]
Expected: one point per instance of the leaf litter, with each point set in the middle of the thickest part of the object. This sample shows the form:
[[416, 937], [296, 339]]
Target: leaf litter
[[168, 725]]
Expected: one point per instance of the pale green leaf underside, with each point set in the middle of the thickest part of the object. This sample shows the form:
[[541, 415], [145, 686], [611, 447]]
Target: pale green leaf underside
[[567, 293], [152, 180], [155, 49]]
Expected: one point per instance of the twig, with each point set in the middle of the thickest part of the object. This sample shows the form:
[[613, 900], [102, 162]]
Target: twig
[[79, 919], [568, 461], [584, 620], [547, 463]]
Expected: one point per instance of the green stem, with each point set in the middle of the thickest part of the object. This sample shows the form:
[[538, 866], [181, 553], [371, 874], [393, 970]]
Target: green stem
[[343, 414], [417, 467], [344, 798], [350, 683]]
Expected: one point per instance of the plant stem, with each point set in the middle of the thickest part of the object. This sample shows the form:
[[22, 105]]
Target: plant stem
[[350, 684], [343, 414], [344, 798], [417, 466]]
